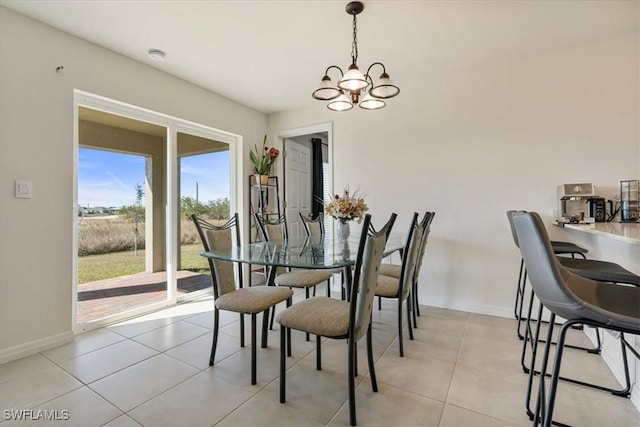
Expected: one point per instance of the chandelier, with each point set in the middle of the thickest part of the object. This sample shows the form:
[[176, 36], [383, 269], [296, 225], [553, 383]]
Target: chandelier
[[354, 87]]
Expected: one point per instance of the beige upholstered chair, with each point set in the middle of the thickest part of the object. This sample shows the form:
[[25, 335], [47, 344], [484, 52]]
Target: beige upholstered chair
[[400, 288], [337, 319], [394, 270], [315, 229], [228, 293], [305, 279]]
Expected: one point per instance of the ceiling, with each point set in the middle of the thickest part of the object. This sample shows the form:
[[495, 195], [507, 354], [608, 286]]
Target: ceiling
[[270, 55]]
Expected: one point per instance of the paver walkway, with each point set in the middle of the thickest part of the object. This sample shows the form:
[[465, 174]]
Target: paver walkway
[[111, 296]]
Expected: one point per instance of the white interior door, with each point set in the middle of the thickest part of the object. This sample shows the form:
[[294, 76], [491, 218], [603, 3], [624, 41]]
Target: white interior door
[[297, 175]]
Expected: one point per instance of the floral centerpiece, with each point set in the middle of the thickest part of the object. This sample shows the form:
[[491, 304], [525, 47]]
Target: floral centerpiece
[[263, 159], [345, 208]]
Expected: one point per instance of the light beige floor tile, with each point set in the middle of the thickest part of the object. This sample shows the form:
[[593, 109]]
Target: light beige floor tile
[[334, 355], [319, 393], [600, 410], [83, 343], [418, 373], [431, 343], [236, 368], [122, 421], [36, 387], [170, 336], [139, 326], [22, 367], [86, 409], [206, 319], [264, 409], [491, 328], [491, 355], [452, 325], [390, 406], [107, 360], [202, 400], [497, 396], [132, 386], [454, 416], [197, 351]]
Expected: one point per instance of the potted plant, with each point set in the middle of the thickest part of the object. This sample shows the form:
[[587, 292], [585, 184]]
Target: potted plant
[[263, 160]]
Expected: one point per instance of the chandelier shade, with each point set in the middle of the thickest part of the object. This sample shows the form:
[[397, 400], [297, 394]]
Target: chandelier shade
[[385, 88], [353, 80], [341, 103], [327, 91], [354, 87], [369, 102]]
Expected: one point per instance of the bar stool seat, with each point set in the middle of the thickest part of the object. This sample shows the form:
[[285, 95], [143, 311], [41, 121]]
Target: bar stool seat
[[601, 271]]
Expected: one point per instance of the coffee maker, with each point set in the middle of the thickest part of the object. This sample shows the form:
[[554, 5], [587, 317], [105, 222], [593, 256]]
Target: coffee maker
[[573, 201]]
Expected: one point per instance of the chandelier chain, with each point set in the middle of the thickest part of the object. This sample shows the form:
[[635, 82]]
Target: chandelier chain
[[354, 44]]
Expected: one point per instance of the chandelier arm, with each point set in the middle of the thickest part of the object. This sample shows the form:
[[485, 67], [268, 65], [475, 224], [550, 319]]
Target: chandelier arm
[[326, 72], [384, 70]]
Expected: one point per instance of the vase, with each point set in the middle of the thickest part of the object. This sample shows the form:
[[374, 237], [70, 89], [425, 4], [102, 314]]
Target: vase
[[343, 230], [261, 179]]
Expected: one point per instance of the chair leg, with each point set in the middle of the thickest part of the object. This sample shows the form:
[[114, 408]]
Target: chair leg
[[409, 317], [518, 301], [318, 353], [548, 414], [253, 349], [283, 363], [539, 415], [289, 302], [522, 292], [379, 303], [241, 330], [328, 288], [400, 343], [265, 329], [351, 361], [372, 369], [214, 344], [273, 316], [534, 351], [306, 295], [414, 286], [412, 302]]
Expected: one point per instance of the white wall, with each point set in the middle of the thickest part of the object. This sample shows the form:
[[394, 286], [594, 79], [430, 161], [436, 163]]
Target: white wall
[[36, 143], [474, 144]]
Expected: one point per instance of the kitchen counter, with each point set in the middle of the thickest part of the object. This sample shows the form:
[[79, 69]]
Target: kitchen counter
[[628, 232]]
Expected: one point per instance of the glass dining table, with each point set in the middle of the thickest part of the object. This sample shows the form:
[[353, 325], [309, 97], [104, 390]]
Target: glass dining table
[[324, 251]]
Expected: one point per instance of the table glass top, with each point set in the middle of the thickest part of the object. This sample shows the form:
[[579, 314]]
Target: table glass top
[[318, 252]]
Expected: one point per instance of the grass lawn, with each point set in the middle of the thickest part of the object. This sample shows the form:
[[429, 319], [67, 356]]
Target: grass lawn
[[98, 267]]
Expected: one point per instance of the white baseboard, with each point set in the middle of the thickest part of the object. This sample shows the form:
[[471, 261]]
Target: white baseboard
[[471, 308], [33, 347]]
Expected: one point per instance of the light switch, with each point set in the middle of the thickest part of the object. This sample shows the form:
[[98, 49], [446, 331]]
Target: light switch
[[23, 189]]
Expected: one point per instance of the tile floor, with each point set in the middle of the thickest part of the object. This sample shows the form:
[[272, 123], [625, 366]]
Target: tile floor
[[461, 370]]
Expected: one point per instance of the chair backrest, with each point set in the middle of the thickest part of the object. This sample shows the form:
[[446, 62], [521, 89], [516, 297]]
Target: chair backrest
[[546, 275], [512, 226], [365, 277], [276, 230], [426, 221], [216, 238], [313, 227], [410, 257]]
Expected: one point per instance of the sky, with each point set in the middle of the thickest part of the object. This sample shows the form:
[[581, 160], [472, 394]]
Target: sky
[[109, 179]]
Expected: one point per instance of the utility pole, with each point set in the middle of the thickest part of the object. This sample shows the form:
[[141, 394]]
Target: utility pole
[[196, 191]]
